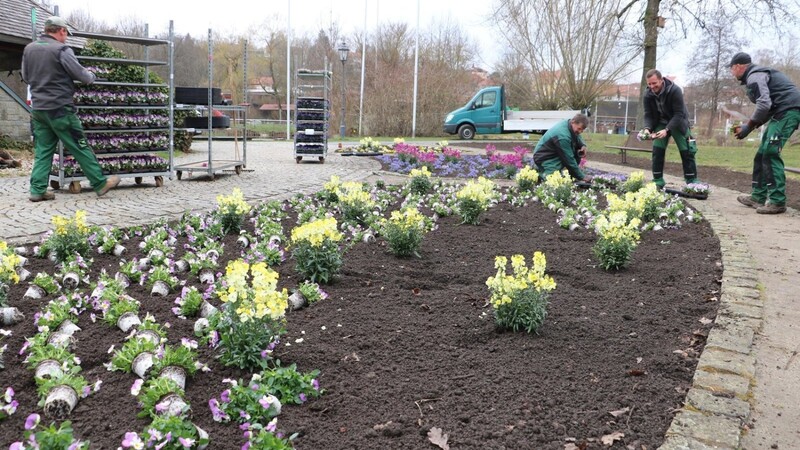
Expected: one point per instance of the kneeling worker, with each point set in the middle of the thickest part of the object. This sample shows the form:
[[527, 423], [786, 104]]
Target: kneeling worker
[[562, 147]]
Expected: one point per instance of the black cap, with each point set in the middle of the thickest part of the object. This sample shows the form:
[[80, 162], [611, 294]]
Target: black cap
[[740, 58]]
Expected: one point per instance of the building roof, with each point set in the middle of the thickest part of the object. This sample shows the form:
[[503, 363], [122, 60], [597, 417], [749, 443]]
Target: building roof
[[16, 30]]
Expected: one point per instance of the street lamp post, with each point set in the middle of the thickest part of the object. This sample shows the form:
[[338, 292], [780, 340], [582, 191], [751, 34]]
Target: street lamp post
[[343, 51]]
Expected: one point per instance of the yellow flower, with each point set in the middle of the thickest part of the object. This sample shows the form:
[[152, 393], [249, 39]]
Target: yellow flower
[[558, 179], [317, 232], [481, 191], [421, 172], [529, 174], [8, 264], [258, 299], [505, 288], [234, 203], [333, 184]]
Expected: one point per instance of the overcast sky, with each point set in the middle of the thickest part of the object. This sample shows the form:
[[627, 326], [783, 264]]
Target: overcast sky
[[231, 17], [234, 17]]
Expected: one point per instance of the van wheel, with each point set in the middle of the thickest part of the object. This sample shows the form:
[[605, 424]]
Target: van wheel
[[466, 132]]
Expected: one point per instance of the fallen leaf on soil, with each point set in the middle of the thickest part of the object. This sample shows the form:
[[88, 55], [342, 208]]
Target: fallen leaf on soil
[[438, 439], [619, 412], [609, 439], [706, 321], [415, 291], [636, 373]]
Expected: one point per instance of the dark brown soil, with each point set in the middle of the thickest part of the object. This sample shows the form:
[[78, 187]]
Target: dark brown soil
[[404, 345]]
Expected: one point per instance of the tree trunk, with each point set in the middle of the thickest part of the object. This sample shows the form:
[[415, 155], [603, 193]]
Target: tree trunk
[[650, 23]]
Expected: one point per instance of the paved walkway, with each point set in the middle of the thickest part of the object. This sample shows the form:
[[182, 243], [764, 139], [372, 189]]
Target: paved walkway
[[745, 389], [275, 175]]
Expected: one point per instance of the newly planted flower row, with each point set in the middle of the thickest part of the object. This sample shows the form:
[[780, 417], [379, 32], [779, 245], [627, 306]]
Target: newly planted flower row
[[236, 299]]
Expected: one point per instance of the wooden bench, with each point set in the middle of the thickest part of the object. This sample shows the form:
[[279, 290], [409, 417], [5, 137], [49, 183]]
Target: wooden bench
[[631, 145]]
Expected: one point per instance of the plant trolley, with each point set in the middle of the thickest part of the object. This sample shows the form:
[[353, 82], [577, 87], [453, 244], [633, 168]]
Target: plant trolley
[[312, 112], [126, 118], [236, 119]]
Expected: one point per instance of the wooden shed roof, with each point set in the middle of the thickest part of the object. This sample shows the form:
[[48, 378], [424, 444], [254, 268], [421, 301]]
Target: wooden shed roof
[[16, 30]]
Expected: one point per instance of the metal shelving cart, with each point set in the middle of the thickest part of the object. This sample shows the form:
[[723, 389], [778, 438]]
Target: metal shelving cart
[[60, 178], [210, 166], [312, 113]]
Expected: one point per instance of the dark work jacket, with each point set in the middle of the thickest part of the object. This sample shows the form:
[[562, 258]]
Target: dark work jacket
[[50, 67], [559, 144], [674, 113], [781, 92]]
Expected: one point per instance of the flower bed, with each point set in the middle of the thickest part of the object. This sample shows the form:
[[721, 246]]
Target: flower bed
[[445, 161], [406, 345]]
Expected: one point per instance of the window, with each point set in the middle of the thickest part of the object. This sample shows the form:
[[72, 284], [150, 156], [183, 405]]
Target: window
[[486, 99]]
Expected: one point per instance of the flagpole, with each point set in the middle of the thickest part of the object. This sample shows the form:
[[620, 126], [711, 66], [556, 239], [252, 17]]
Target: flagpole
[[288, 68], [363, 62], [416, 75]]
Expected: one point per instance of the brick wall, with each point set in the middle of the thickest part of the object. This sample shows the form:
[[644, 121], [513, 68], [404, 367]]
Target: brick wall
[[14, 119]]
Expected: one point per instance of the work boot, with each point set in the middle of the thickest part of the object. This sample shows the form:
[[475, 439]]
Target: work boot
[[111, 183], [660, 183], [42, 197], [747, 200], [771, 209]]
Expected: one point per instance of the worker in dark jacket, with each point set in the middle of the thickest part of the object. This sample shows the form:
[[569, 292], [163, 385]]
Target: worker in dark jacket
[[562, 147], [49, 67], [665, 115], [777, 102]]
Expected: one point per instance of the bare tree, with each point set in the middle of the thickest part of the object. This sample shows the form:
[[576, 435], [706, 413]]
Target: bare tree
[[517, 79], [688, 14], [709, 66], [571, 47]]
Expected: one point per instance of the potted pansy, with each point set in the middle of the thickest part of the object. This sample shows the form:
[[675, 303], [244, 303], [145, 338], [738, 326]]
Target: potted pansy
[[157, 98], [152, 330], [307, 293], [59, 394], [117, 98], [161, 281], [136, 355], [169, 432], [7, 408], [73, 272], [36, 437], [192, 303], [162, 396], [123, 312], [136, 97], [696, 190], [176, 362], [57, 315], [128, 273], [48, 361]]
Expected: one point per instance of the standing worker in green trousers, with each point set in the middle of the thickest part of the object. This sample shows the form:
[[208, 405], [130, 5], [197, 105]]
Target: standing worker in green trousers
[[778, 105], [50, 68], [665, 115]]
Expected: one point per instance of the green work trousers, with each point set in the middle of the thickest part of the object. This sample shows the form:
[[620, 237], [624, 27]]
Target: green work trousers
[[769, 178], [48, 128], [687, 156]]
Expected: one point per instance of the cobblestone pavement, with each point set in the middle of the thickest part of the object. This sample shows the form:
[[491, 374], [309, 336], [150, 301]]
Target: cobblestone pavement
[[744, 393], [274, 175]]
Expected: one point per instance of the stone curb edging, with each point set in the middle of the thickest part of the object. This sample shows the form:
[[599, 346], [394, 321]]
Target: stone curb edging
[[717, 405]]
